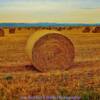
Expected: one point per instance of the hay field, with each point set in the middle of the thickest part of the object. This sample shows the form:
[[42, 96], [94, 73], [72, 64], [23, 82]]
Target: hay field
[[18, 78]]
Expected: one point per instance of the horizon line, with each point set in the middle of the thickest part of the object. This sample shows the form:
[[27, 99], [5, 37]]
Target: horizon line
[[46, 22]]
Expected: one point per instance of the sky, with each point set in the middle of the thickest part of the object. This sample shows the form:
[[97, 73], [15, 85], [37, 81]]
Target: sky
[[70, 11]]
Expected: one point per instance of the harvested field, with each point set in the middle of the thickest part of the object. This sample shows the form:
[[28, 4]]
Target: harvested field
[[87, 46], [81, 81], [18, 78]]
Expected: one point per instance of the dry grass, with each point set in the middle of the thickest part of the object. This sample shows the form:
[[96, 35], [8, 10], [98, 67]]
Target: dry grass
[[83, 79], [74, 82], [87, 45]]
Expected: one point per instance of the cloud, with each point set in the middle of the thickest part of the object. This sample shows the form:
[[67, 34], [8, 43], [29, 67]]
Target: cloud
[[51, 10]]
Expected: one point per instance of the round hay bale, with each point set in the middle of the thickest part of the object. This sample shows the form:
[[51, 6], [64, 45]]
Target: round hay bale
[[50, 50], [49, 28], [1, 32], [63, 28], [96, 30], [19, 28], [86, 30], [28, 28], [59, 28], [12, 30], [70, 28], [35, 28]]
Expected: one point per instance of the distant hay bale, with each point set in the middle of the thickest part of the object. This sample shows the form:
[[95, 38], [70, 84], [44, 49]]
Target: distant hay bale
[[55, 27], [39, 27], [43, 27], [50, 50], [28, 28], [63, 28], [12, 30], [49, 28], [5, 27], [86, 30], [59, 28], [35, 28], [19, 28], [1, 32], [96, 30], [70, 28], [77, 27]]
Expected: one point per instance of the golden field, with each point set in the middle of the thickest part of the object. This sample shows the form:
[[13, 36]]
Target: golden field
[[18, 78]]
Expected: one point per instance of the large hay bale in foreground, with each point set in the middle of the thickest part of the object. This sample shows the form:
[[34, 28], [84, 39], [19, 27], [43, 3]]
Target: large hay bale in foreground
[[12, 30], [1, 32], [50, 50], [96, 30]]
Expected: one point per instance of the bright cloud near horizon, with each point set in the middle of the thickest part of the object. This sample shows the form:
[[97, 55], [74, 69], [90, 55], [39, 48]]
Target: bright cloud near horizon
[[80, 11]]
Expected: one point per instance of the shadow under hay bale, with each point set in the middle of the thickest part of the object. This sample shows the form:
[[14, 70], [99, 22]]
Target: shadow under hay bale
[[96, 30], [86, 30], [12, 30], [50, 51], [1, 32]]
